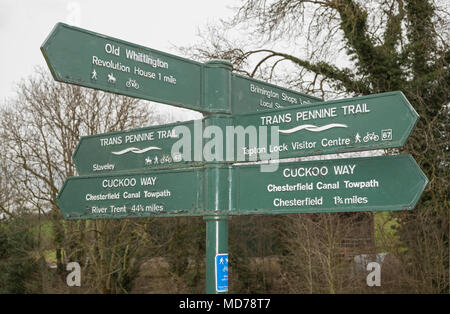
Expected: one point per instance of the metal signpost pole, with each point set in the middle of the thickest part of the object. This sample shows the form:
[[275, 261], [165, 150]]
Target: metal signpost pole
[[217, 98], [216, 254], [134, 173], [218, 194]]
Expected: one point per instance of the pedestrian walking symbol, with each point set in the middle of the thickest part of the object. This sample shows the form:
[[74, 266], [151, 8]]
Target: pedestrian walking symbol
[[222, 272]]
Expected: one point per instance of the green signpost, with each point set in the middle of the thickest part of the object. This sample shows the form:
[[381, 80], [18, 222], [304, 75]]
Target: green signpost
[[250, 95], [85, 58], [168, 193], [78, 56], [342, 185], [348, 184], [354, 124], [192, 168], [132, 150]]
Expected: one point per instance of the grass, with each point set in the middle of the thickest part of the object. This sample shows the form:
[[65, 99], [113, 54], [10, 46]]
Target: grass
[[385, 234]]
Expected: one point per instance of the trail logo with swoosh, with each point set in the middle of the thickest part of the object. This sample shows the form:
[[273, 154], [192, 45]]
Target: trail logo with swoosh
[[313, 128]]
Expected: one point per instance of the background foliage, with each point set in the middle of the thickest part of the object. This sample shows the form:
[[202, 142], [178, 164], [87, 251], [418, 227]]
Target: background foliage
[[328, 48]]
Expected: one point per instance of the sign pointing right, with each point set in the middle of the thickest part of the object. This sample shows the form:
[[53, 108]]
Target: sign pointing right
[[353, 124], [339, 185]]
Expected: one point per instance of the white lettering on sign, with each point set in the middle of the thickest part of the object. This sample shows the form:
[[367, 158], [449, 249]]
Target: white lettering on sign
[[162, 134], [317, 171], [169, 79], [138, 208], [98, 210], [250, 151], [327, 186], [141, 137], [116, 140], [97, 167], [355, 199], [270, 94], [118, 183], [278, 148], [314, 114], [305, 172], [148, 181], [290, 188], [288, 98], [321, 185], [303, 145], [344, 169], [335, 142], [355, 109], [157, 194], [154, 208], [317, 201], [311, 114], [102, 197], [265, 92], [147, 74], [269, 104], [362, 184], [276, 119], [128, 195], [117, 209], [110, 64], [145, 58], [111, 49]]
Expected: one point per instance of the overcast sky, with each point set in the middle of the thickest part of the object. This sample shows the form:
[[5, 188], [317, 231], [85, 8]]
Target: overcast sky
[[157, 24]]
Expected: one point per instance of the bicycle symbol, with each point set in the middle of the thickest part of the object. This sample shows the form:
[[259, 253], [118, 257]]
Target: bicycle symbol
[[371, 137], [132, 83], [166, 159]]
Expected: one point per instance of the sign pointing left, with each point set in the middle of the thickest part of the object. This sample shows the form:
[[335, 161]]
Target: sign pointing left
[[168, 193], [78, 56], [132, 150]]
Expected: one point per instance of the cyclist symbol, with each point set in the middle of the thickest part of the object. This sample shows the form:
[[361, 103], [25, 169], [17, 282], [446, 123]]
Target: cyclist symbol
[[132, 83], [371, 137]]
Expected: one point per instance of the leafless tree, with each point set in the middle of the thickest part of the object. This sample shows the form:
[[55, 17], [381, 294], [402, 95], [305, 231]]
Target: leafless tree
[[40, 130], [344, 48]]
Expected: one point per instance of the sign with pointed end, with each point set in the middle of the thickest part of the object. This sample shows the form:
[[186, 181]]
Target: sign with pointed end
[[78, 56], [339, 185], [133, 150], [119, 176], [376, 121], [165, 193]]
